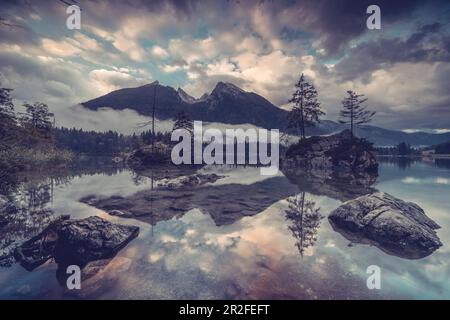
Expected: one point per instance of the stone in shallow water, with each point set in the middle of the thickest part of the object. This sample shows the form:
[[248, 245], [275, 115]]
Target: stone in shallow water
[[393, 225], [91, 239], [75, 242]]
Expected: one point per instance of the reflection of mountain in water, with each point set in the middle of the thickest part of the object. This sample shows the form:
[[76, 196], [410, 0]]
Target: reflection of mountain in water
[[225, 203], [228, 203], [305, 218]]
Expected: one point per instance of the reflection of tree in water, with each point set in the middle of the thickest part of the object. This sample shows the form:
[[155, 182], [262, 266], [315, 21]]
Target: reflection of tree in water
[[406, 162], [305, 218], [442, 163], [30, 196], [402, 163], [26, 215]]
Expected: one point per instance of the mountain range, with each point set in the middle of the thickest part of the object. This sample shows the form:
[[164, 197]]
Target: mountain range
[[230, 104]]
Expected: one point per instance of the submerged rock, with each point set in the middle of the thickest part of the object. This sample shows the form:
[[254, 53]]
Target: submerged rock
[[37, 250], [189, 181], [20, 225], [75, 242], [338, 152], [97, 277], [393, 225]]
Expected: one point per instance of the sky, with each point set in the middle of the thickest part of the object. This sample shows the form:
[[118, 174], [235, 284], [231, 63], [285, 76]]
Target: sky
[[261, 46]]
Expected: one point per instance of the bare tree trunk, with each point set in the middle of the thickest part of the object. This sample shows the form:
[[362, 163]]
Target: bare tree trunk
[[351, 126], [302, 116], [153, 120], [301, 224], [351, 123]]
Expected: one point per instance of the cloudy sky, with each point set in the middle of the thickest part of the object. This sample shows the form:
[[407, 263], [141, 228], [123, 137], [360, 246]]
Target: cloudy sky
[[261, 46]]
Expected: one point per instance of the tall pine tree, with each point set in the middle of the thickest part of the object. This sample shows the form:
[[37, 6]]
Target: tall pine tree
[[183, 121], [353, 111], [8, 123], [38, 119], [306, 108]]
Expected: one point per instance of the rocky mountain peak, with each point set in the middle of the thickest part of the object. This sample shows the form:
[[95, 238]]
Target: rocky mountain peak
[[185, 96], [226, 88]]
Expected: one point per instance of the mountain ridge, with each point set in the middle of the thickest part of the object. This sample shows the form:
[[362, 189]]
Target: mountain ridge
[[227, 103]]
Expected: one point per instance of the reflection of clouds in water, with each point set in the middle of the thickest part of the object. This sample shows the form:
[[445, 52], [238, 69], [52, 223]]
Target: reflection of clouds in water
[[66, 198], [255, 257], [428, 277], [438, 180]]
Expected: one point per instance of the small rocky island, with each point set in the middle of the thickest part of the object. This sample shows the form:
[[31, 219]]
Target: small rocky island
[[147, 155], [393, 225], [339, 152]]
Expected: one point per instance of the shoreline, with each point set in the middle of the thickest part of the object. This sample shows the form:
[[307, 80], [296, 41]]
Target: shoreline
[[437, 156]]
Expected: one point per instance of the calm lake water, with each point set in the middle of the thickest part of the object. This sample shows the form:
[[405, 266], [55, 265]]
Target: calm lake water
[[259, 256]]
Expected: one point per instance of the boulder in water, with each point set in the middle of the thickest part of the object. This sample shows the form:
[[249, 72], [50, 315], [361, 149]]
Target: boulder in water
[[78, 242], [395, 226]]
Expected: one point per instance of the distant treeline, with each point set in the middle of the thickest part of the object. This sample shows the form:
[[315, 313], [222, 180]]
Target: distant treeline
[[443, 148], [110, 142], [29, 139], [402, 149]]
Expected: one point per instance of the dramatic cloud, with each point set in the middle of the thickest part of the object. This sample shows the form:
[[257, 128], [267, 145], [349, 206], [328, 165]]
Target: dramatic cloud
[[425, 45], [261, 46], [110, 80]]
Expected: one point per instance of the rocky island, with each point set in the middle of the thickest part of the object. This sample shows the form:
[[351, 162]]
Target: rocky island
[[339, 152]]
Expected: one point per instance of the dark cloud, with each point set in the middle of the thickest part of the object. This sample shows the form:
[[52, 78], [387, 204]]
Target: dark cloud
[[42, 79], [338, 22], [425, 45]]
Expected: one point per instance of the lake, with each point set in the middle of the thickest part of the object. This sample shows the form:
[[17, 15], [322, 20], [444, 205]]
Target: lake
[[255, 253]]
